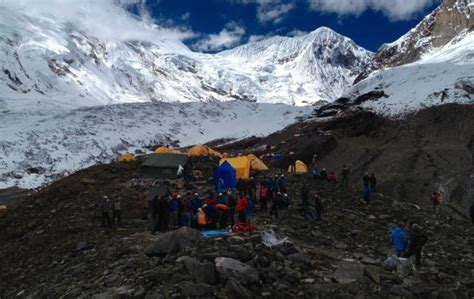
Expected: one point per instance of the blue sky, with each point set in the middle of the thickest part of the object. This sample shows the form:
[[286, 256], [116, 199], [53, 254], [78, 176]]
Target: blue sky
[[215, 25]]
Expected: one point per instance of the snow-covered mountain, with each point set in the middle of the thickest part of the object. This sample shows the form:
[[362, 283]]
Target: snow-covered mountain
[[56, 62], [432, 64], [449, 21]]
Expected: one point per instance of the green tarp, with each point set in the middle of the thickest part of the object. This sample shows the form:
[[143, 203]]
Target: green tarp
[[163, 166]]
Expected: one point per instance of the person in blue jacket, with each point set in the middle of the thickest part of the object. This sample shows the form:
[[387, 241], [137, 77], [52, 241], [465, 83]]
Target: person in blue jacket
[[249, 209], [399, 240]]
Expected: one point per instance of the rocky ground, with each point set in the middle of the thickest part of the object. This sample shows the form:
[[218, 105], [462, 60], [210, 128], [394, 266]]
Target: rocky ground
[[53, 246]]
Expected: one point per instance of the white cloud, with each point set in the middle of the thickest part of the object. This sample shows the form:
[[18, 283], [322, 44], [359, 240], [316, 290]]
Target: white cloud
[[185, 16], [256, 38], [297, 32], [105, 19], [273, 11], [228, 37], [395, 10]]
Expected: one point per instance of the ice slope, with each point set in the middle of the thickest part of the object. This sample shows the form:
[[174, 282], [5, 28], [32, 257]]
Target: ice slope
[[37, 148], [444, 75], [56, 63]]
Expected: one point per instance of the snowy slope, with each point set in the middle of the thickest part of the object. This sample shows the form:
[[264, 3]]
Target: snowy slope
[[444, 75], [56, 143], [56, 64]]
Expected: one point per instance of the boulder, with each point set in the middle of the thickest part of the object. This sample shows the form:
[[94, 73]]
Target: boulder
[[201, 271], [230, 268], [237, 291], [191, 289], [398, 290], [300, 258], [173, 241], [349, 272]]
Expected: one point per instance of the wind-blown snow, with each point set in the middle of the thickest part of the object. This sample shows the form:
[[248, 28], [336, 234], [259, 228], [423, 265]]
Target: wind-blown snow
[[442, 76], [55, 143]]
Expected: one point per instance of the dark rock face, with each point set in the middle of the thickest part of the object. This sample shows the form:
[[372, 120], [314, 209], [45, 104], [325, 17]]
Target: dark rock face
[[173, 241], [445, 23]]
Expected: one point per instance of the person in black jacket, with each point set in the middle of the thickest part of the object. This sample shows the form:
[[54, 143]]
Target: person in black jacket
[[318, 207], [366, 180], [418, 239], [373, 183]]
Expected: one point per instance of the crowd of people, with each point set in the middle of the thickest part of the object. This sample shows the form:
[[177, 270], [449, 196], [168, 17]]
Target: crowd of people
[[226, 208]]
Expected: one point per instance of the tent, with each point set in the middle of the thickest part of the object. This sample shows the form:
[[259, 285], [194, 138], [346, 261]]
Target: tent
[[203, 150], [163, 166], [166, 150], [241, 166], [256, 163], [300, 167], [227, 173], [126, 157]]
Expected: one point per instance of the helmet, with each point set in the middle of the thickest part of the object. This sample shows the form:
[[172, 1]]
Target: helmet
[[220, 194]]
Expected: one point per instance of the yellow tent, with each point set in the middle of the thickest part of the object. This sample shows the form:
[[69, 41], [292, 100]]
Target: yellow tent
[[241, 166], [256, 163], [300, 167], [126, 157], [202, 150], [165, 150]]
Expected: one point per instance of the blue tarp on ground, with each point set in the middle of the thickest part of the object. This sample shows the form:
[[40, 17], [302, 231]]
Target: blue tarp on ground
[[225, 177], [215, 233]]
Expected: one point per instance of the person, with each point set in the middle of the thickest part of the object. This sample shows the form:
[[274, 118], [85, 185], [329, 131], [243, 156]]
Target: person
[[436, 201], [163, 213], [248, 210], [174, 210], [366, 192], [220, 185], [332, 177], [324, 174], [399, 240], [252, 188], [117, 211], [316, 174], [304, 196], [318, 207], [221, 199], [232, 203], [201, 219], [314, 162], [240, 208], [471, 212], [212, 215], [211, 199], [154, 220], [223, 215], [263, 198], [286, 201], [373, 183], [104, 208], [185, 211], [293, 165], [275, 201], [272, 185], [282, 184], [196, 203], [366, 180], [418, 239], [345, 176], [180, 172]]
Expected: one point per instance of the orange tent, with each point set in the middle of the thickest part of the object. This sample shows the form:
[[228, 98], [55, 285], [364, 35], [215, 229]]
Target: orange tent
[[166, 150], [256, 163], [241, 166], [203, 150], [127, 157]]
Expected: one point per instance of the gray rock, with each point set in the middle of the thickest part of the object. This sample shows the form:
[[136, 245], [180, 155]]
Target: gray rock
[[173, 241], [201, 271], [373, 273], [191, 289], [300, 258], [349, 272], [236, 291], [230, 268], [401, 291]]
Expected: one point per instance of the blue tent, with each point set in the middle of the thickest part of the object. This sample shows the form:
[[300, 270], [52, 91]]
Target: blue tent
[[225, 177]]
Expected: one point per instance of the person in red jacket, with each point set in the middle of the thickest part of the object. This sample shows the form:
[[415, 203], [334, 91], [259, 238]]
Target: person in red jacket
[[332, 177], [240, 208], [211, 200], [263, 198]]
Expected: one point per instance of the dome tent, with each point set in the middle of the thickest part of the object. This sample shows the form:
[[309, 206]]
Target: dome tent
[[127, 157], [256, 163], [228, 175], [166, 150], [203, 150], [300, 167], [241, 166]]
